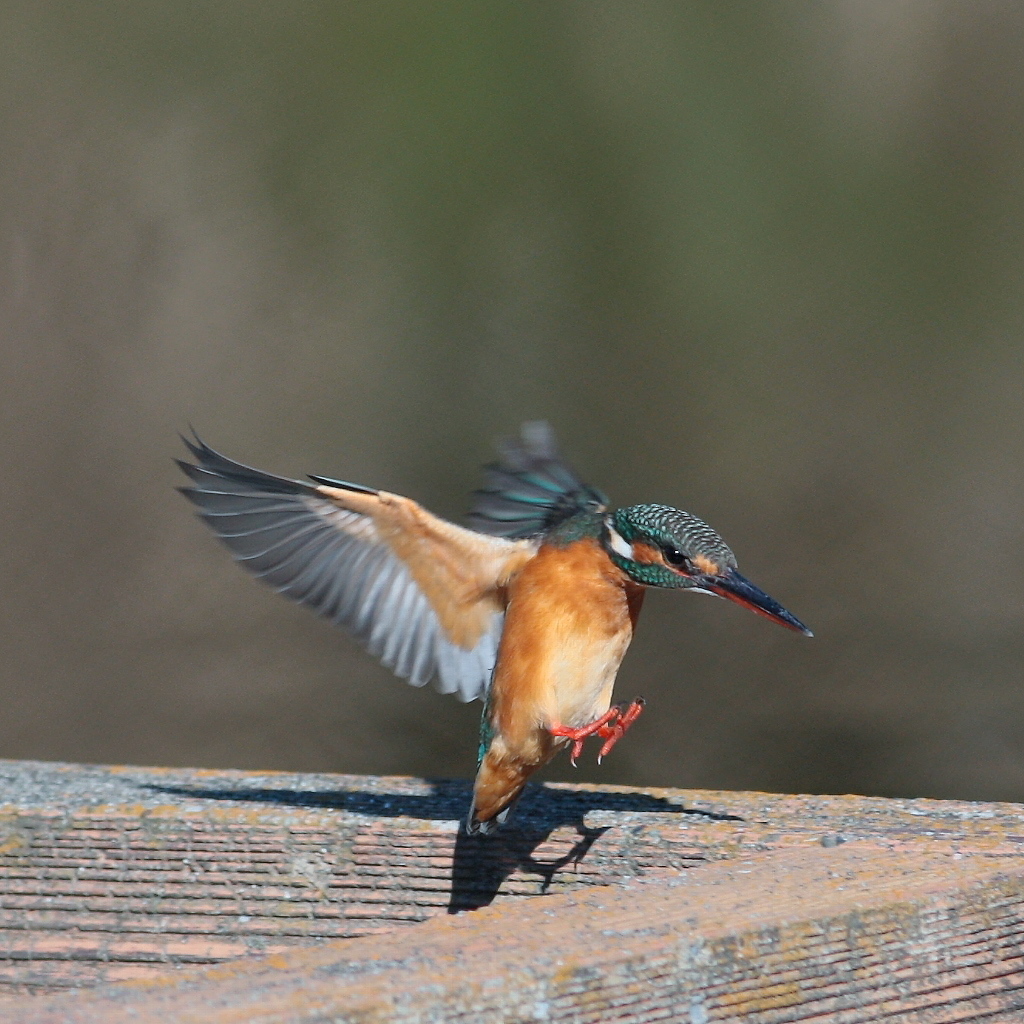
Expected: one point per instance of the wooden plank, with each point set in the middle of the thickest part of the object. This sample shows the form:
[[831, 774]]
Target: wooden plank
[[855, 933], [109, 874]]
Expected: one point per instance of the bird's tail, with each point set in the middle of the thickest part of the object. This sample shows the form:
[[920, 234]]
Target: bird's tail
[[499, 784]]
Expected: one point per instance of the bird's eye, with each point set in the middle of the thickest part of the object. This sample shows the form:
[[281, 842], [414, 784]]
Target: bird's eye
[[676, 558]]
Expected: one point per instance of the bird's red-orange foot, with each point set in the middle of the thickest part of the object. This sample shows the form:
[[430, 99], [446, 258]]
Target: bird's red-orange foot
[[611, 727]]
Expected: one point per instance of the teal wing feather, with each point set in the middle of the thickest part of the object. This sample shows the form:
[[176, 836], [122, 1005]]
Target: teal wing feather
[[531, 489]]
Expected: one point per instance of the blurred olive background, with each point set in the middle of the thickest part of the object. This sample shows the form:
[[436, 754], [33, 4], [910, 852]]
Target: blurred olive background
[[764, 262]]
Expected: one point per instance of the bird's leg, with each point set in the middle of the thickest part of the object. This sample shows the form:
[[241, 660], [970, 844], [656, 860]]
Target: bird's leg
[[611, 725], [614, 730]]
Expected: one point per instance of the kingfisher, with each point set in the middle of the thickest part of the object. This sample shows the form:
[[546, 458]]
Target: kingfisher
[[531, 609]]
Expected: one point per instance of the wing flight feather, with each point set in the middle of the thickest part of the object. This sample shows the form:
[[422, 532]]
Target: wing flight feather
[[424, 595]]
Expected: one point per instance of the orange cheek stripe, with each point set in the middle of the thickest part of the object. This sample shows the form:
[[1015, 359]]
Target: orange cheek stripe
[[646, 554], [706, 566]]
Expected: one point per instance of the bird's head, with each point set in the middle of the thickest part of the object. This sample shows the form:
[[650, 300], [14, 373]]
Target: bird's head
[[661, 546]]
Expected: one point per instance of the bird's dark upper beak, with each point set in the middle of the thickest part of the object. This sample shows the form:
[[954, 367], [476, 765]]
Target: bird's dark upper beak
[[735, 587]]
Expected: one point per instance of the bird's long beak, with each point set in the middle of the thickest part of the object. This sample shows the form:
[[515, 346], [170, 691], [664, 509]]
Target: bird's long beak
[[735, 587]]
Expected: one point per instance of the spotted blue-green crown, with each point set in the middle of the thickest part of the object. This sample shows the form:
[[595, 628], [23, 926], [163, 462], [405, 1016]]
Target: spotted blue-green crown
[[683, 540]]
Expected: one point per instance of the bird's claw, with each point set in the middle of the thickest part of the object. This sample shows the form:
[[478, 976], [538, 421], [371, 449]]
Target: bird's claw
[[611, 726], [615, 729]]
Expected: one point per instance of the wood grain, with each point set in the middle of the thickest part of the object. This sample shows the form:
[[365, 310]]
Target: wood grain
[[653, 904]]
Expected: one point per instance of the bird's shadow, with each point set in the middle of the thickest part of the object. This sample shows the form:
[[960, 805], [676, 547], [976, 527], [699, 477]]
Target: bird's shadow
[[480, 864]]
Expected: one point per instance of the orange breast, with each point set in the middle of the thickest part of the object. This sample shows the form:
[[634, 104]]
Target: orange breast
[[570, 617]]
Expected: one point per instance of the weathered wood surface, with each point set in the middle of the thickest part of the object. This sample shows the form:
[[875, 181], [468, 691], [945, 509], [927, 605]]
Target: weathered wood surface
[[799, 908]]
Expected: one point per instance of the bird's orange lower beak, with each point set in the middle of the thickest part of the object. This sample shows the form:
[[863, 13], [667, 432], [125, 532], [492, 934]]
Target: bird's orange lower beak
[[734, 587]]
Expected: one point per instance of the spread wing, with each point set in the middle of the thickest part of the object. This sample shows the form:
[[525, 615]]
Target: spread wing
[[423, 595], [531, 489]]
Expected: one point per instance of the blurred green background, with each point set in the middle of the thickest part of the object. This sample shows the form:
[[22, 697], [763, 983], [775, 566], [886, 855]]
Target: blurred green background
[[764, 262]]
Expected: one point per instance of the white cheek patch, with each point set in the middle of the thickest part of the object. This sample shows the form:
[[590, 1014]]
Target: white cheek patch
[[617, 542]]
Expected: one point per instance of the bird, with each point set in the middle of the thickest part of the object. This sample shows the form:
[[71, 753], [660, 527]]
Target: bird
[[530, 608]]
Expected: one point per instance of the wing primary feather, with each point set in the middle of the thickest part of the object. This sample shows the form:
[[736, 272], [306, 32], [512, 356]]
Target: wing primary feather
[[350, 588], [228, 469], [423, 651], [343, 485], [293, 541], [376, 578], [309, 576], [401, 651], [320, 596], [364, 561], [447, 672], [395, 643], [383, 616], [255, 522], [279, 555]]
